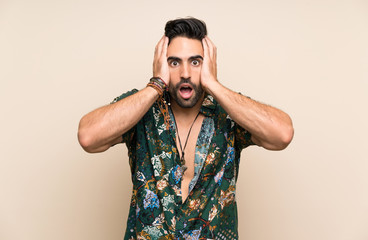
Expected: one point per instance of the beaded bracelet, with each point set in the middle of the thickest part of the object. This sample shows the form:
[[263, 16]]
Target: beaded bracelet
[[159, 81], [158, 89], [158, 84]]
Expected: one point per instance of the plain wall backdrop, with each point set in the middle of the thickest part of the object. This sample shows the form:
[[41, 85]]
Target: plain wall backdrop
[[62, 59]]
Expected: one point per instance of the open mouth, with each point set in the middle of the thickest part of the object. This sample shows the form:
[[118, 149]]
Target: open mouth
[[186, 91]]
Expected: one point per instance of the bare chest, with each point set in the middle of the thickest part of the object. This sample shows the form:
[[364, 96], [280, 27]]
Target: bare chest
[[186, 141]]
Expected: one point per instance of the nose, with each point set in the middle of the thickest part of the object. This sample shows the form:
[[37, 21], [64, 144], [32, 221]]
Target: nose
[[185, 71]]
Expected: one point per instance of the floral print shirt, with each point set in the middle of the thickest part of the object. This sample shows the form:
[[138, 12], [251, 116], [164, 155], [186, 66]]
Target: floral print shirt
[[156, 209]]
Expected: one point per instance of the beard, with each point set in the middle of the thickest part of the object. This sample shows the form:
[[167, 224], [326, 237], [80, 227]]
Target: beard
[[193, 100]]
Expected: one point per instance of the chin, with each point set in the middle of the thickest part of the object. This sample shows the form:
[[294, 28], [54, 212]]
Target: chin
[[186, 103]]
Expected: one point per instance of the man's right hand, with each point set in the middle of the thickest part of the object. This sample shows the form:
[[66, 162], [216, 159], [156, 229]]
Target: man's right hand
[[160, 66]]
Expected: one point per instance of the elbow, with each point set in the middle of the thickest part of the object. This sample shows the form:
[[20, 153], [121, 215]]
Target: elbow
[[85, 138], [284, 137], [278, 137], [287, 137], [85, 141], [88, 142]]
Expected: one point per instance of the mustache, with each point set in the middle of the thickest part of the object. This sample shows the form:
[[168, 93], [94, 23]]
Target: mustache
[[185, 80]]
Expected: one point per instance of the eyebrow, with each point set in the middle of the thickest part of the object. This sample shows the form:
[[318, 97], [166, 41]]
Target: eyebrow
[[196, 57], [172, 58]]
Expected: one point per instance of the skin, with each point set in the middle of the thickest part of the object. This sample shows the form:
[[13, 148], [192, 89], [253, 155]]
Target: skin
[[194, 61]]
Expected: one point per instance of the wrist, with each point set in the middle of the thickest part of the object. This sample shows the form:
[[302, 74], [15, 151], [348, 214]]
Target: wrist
[[160, 81], [165, 79], [211, 85], [158, 84]]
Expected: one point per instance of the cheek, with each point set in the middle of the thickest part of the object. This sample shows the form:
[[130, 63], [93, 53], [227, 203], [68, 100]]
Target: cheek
[[196, 72], [198, 69], [173, 72]]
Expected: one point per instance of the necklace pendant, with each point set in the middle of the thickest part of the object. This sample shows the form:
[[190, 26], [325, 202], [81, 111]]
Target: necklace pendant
[[182, 159], [184, 168]]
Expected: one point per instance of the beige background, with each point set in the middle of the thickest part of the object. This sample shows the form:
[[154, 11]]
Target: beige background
[[61, 59]]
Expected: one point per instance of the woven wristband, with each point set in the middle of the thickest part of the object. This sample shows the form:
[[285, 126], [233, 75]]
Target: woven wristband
[[158, 84], [159, 81], [157, 88]]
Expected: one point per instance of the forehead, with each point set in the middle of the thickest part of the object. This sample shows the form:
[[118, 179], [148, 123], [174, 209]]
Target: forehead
[[183, 47]]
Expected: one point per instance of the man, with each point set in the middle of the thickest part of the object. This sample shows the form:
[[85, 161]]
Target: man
[[184, 143]]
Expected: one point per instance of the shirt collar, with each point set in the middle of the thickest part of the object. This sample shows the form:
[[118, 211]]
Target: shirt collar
[[208, 106]]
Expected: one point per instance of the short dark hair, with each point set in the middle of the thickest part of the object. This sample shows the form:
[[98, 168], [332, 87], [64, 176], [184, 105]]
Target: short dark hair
[[186, 27]]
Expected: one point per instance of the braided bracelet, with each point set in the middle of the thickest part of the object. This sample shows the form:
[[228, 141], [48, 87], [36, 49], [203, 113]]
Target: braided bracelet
[[159, 81], [158, 84]]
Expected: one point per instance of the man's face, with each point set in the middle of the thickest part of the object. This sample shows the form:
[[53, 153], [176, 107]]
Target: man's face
[[185, 57]]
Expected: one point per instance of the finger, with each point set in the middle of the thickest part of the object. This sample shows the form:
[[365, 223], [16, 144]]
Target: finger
[[210, 42], [205, 48], [212, 48], [213, 54], [164, 47], [158, 49], [214, 57]]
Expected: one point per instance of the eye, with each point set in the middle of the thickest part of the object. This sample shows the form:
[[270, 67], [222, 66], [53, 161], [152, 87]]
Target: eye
[[195, 63], [174, 63]]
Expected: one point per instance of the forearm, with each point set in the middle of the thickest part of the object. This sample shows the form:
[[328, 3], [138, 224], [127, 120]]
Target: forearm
[[104, 127], [270, 127]]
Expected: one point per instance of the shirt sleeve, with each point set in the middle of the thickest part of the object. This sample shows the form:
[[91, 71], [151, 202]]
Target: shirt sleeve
[[243, 138], [128, 136]]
